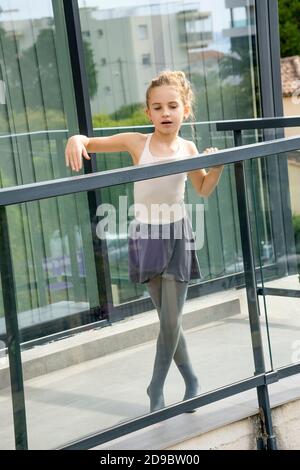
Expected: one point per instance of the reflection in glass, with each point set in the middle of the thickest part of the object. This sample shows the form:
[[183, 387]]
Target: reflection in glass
[[130, 42], [37, 106], [49, 261]]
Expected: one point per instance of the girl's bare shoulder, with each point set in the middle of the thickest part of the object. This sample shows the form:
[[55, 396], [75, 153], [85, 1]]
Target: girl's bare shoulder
[[189, 147]]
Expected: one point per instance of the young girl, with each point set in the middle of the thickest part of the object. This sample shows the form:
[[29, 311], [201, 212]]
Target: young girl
[[159, 257]]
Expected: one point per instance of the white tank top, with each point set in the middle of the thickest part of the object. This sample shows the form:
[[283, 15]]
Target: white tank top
[[160, 200]]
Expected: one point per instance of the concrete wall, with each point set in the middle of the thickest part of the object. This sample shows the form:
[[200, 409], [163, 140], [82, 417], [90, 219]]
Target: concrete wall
[[294, 180], [291, 107], [241, 435]]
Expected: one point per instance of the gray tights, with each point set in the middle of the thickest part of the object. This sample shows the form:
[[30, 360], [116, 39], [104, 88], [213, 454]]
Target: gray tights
[[168, 296]]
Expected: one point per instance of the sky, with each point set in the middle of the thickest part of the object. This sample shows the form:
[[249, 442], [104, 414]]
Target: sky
[[43, 8], [26, 9], [217, 7]]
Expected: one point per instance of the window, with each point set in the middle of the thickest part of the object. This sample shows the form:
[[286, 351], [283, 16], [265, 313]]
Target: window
[[103, 61], [146, 60], [100, 33], [143, 31], [239, 17]]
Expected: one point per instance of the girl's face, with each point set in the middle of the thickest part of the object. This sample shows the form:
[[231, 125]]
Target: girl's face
[[166, 109]]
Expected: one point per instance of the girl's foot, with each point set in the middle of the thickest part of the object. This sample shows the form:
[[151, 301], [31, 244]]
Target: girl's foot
[[157, 401], [191, 391]]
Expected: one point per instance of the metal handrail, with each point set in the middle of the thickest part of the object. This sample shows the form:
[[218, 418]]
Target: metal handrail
[[228, 125], [258, 123], [75, 184]]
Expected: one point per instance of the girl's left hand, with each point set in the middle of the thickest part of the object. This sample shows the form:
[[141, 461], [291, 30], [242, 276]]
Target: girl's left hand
[[211, 150]]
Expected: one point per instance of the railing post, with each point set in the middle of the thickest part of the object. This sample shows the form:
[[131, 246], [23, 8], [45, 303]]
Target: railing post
[[267, 440], [13, 337], [85, 124]]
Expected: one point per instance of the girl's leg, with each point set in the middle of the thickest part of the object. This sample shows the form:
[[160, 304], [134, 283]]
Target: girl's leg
[[181, 356], [168, 297]]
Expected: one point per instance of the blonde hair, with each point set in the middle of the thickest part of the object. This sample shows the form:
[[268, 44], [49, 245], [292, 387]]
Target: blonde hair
[[178, 80]]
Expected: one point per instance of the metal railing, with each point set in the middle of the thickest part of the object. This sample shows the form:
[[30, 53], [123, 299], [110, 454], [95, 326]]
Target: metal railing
[[237, 126], [90, 182]]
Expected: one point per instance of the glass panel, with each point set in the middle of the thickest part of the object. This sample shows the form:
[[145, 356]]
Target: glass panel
[[51, 250], [279, 261], [37, 100], [201, 38], [198, 38], [75, 386], [65, 298], [261, 197], [36, 108]]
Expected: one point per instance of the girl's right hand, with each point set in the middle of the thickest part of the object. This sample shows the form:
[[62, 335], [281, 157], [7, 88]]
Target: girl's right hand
[[75, 149]]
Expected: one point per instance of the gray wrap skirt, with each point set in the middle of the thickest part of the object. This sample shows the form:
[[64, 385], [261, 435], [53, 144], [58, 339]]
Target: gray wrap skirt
[[165, 249]]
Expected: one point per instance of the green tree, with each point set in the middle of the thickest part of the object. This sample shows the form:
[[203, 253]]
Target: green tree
[[38, 73], [4, 39], [289, 23], [126, 111], [36, 66], [137, 118]]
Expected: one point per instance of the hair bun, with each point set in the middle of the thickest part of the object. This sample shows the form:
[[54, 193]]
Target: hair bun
[[178, 79]]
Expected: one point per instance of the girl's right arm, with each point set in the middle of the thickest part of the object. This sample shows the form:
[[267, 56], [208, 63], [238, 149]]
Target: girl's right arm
[[79, 145]]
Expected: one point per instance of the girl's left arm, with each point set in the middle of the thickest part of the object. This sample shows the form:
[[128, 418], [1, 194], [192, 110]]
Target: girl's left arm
[[205, 182]]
